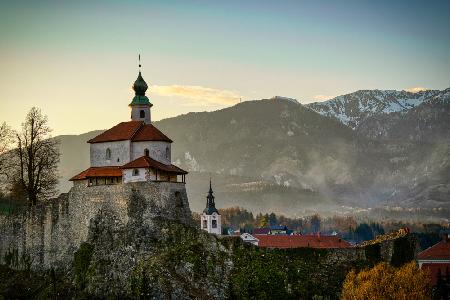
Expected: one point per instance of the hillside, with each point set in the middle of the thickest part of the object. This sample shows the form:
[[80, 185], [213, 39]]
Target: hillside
[[275, 154], [420, 141]]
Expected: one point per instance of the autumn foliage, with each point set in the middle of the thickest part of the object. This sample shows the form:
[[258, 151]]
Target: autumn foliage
[[386, 282]]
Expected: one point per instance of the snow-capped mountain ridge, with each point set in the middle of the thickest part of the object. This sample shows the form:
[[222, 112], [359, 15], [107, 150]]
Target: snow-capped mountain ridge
[[351, 109]]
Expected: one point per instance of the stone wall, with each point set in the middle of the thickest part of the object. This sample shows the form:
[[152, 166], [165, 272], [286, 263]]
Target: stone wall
[[48, 235]]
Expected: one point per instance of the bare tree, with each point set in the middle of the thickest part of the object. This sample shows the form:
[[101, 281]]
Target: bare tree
[[6, 139], [6, 158], [37, 156]]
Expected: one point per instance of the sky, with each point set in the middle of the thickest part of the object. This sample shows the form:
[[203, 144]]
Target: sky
[[77, 60]]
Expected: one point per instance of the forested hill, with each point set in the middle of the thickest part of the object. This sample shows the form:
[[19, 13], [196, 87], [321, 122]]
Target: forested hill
[[278, 155]]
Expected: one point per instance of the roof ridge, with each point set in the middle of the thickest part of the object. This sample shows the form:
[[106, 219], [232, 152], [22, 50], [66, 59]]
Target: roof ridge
[[432, 246], [137, 130]]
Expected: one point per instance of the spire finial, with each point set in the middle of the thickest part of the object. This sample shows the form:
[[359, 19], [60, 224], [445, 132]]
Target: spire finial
[[139, 62]]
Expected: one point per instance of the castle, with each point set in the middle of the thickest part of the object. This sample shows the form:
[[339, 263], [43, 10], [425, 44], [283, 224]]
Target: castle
[[133, 151], [130, 186]]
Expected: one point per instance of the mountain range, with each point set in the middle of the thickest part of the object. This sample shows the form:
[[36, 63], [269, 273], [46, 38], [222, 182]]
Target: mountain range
[[363, 150], [352, 109]]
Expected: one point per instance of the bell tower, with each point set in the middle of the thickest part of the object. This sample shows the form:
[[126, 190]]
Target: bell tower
[[140, 105], [210, 218]]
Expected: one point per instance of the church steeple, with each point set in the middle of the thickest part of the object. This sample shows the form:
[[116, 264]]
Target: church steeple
[[210, 220], [210, 204], [140, 105]]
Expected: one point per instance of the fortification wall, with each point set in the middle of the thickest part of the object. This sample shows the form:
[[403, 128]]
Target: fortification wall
[[48, 235]]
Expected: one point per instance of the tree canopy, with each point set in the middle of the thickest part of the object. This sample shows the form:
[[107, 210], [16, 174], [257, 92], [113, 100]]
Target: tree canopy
[[384, 281]]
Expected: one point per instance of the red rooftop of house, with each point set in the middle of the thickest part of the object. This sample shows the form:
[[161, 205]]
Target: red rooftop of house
[[147, 162], [133, 130], [300, 241], [439, 251], [98, 172]]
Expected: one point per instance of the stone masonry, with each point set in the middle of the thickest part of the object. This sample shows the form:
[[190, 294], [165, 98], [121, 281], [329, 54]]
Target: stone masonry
[[47, 236]]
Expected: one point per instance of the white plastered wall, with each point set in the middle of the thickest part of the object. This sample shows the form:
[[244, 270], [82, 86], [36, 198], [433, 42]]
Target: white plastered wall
[[157, 150], [136, 113], [120, 153], [129, 177], [209, 219]]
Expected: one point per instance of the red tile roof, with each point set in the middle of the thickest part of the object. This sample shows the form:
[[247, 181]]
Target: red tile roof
[[440, 250], [98, 172], [149, 132], [433, 270], [133, 130], [148, 162], [300, 241]]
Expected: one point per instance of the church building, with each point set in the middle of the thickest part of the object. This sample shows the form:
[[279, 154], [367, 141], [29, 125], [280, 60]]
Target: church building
[[133, 151], [210, 218]]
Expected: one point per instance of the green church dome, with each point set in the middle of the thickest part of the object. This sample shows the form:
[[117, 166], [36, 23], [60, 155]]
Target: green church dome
[[140, 87]]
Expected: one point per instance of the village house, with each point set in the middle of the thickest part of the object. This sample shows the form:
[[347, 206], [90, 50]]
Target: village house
[[436, 260], [248, 238], [133, 151]]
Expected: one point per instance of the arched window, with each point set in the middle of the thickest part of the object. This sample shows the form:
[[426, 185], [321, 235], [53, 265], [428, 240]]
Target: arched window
[[135, 172], [146, 152], [142, 114], [108, 153], [167, 152]]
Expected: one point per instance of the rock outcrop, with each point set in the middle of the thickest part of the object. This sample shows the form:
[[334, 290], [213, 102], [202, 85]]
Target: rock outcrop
[[48, 235]]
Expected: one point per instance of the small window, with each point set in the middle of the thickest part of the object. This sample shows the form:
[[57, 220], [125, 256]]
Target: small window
[[205, 224], [135, 172], [118, 159], [108, 153], [167, 152], [146, 152], [142, 114], [214, 223]]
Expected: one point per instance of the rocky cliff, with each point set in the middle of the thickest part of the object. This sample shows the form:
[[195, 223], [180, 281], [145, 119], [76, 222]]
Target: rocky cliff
[[137, 241], [49, 234]]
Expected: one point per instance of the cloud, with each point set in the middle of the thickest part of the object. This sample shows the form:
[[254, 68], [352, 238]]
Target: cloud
[[322, 97], [197, 95], [416, 89]]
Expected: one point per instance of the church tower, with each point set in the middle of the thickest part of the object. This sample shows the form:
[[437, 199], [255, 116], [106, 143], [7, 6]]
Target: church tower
[[140, 106], [211, 219]]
